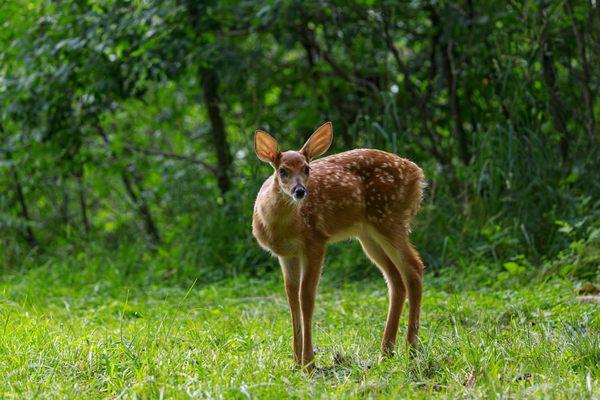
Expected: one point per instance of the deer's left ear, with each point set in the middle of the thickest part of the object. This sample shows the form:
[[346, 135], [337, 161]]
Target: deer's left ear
[[319, 141]]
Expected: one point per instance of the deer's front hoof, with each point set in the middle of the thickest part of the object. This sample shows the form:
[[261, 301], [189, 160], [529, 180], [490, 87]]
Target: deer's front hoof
[[308, 366], [386, 354]]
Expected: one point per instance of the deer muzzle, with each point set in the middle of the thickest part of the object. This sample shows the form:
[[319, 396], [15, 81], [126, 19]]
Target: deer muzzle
[[299, 192]]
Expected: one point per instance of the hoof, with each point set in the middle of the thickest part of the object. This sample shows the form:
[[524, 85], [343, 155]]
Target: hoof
[[386, 355], [310, 369]]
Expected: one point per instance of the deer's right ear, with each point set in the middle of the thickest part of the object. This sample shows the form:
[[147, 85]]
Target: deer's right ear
[[265, 147]]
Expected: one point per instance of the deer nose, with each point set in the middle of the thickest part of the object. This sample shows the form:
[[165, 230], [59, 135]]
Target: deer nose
[[299, 192]]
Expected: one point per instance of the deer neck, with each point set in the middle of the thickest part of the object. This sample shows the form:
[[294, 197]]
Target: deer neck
[[277, 208]]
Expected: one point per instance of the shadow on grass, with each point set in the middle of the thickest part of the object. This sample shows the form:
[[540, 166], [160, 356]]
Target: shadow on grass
[[418, 365]]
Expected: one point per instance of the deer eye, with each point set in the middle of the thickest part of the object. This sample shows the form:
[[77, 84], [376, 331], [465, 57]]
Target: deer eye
[[282, 172], [306, 170]]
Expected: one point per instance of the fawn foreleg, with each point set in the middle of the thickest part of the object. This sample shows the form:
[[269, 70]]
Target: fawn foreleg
[[311, 271], [290, 267]]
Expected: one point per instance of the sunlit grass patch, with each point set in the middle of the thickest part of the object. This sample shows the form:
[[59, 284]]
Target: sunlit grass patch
[[232, 340]]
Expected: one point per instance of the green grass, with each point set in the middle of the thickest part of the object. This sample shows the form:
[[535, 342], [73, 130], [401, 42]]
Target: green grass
[[93, 338]]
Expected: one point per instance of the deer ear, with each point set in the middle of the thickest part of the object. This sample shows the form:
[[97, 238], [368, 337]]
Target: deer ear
[[265, 147], [319, 141]]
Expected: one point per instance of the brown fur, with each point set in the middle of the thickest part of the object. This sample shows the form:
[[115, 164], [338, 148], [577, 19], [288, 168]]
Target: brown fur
[[366, 194]]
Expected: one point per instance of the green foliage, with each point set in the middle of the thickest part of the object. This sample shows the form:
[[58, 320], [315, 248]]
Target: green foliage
[[111, 133]]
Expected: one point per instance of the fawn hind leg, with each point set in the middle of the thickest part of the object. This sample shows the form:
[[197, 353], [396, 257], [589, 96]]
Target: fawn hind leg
[[397, 292], [398, 248]]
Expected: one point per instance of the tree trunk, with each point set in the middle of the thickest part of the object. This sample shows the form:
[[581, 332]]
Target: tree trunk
[[455, 109], [421, 102], [210, 88], [588, 96], [595, 21], [139, 201], [142, 207], [82, 202], [64, 207], [29, 235], [450, 76], [549, 73]]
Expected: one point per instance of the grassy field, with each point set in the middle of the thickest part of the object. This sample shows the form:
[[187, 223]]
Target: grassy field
[[92, 338]]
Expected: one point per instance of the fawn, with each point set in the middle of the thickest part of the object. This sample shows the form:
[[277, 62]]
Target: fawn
[[366, 194]]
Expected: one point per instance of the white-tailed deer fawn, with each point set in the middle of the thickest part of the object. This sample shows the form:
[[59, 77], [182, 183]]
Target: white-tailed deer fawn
[[367, 194]]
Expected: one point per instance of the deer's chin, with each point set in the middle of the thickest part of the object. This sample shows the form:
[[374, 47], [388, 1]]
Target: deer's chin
[[298, 200]]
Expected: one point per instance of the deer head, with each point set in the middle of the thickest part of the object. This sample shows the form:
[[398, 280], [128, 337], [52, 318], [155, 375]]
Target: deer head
[[292, 168]]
